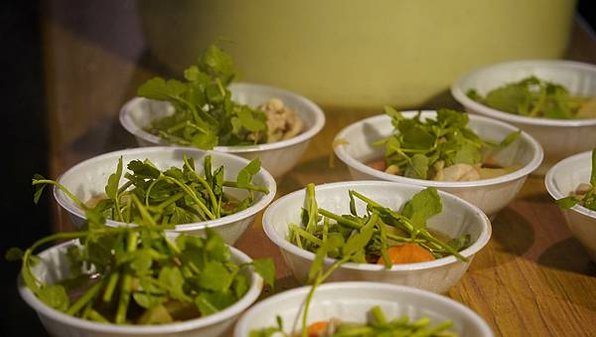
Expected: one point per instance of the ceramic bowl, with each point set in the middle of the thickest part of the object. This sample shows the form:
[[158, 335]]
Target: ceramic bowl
[[562, 179], [560, 138], [355, 148], [89, 178], [54, 267], [278, 158], [351, 301], [457, 218]]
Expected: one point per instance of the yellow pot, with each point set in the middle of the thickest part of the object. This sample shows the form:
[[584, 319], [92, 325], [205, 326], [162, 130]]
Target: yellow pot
[[359, 53]]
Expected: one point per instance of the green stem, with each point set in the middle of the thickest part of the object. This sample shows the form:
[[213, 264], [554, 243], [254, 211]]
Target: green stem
[[87, 297], [126, 284], [63, 189], [249, 187]]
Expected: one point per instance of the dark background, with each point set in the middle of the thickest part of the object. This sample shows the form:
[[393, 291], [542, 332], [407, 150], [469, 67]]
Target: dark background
[[25, 138]]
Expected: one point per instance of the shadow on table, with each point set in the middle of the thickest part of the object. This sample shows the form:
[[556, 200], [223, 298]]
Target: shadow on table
[[513, 232], [568, 255]]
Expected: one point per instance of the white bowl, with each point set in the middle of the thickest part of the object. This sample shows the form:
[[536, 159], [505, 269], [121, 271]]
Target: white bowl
[[54, 267], [350, 301], [559, 138], [458, 217], [491, 195], [278, 158], [88, 178], [563, 178]]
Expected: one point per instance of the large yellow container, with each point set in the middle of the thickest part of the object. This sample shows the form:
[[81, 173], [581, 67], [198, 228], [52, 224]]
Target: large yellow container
[[359, 53]]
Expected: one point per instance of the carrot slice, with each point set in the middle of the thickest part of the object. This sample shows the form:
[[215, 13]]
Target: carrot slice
[[407, 253], [317, 329]]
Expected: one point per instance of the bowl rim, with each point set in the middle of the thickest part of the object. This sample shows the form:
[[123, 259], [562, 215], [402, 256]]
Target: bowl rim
[[553, 189], [458, 93], [241, 327], [69, 206], [74, 322], [283, 243], [318, 118], [351, 162]]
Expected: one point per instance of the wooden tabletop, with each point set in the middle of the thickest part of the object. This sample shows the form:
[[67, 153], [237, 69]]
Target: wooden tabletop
[[532, 279]]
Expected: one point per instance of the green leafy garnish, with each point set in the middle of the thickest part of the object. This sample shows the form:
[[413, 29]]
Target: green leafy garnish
[[424, 148], [532, 97], [205, 115], [363, 238], [169, 197], [139, 275], [586, 193]]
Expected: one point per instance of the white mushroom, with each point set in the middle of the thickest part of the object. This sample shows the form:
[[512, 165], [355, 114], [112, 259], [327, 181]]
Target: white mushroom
[[458, 172]]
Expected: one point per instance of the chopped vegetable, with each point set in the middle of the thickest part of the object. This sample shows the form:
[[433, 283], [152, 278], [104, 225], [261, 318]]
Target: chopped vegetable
[[205, 115], [585, 193], [169, 197], [407, 253], [442, 149], [534, 97], [138, 275]]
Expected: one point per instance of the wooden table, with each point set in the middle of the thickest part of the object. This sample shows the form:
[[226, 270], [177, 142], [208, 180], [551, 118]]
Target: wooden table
[[532, 279]]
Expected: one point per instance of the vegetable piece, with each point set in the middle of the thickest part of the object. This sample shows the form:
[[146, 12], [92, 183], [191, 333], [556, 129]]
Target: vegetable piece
[[169, 197], [532, 97], [139, 275], [436, 149], [585, 194], [407, 253]]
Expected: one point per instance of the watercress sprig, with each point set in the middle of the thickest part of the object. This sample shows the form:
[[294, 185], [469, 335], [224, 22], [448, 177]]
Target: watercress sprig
[[169, 197], [139, 275], [205, 115]]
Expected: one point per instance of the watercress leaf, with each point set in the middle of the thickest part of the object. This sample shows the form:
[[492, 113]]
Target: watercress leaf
[[215, 246], [356, 243], [204, 140], [55, 296], [172, 280], [509, 98], [159, 89], [265, 268], [245, 175], [422, 206], [418, 167], [217, 63], [415, 135], [149, 295], [240, 285], [111, 188], [205, 306], [215, 276], [143, 170], [567, 202], [467, 154], [39, 188]]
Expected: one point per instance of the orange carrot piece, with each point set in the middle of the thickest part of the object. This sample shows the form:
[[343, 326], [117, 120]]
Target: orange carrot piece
[[407, 253], [317, 329], [378, 164]]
